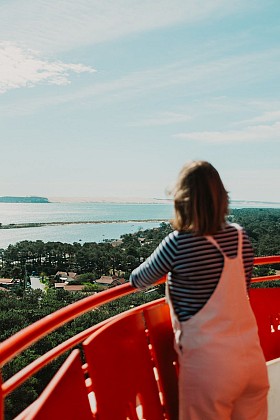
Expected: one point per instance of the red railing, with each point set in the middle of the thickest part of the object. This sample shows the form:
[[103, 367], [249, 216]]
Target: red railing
[[25, 338]]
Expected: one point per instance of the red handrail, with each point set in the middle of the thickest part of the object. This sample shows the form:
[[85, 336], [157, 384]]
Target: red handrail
[[265, 278], [29, 335], [263, 261], [267, 260]]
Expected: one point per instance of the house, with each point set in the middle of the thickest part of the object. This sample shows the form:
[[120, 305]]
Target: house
[[60, 285], [110, 281], [6, 281], [65, 276], [74, 288], [69, 287]]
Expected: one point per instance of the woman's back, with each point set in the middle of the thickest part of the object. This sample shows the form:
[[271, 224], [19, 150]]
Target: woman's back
[[197, 267], [194, 265]]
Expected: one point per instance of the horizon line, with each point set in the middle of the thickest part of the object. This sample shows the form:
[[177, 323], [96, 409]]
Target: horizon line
[[128, 200]]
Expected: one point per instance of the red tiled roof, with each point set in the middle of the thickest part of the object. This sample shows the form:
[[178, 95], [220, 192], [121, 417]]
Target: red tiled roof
[[74, 288], [6, 281], [105, 280], [110, 280], [59, 285]]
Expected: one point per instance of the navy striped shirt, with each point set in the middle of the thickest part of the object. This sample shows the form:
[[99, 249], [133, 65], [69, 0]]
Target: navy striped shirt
[[194, 266]]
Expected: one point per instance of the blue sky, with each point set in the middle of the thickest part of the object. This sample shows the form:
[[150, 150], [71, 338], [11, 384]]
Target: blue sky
[[108, 99]]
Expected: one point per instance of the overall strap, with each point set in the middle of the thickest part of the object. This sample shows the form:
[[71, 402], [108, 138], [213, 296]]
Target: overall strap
[[240, 239]]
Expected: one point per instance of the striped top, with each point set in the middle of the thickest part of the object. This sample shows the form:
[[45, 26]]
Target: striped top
[[194, 266]]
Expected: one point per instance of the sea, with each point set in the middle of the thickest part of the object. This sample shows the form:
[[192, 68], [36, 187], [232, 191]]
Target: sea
[[109, 221], [87, 222]]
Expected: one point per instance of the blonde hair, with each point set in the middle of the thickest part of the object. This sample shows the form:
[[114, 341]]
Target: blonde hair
[[200, 199]]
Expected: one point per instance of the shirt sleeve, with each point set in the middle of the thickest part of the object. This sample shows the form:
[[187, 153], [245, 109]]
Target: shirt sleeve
[[158, 264]]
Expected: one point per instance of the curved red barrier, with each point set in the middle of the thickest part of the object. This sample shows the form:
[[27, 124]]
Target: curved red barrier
[[23, 339]]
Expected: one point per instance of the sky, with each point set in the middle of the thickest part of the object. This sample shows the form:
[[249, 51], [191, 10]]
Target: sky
[[108, 99]]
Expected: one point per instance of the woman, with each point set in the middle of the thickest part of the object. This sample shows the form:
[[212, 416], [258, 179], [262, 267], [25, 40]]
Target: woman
[[209, 262]]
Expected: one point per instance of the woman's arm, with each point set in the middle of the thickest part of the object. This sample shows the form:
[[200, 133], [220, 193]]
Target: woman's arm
[[158, 264]]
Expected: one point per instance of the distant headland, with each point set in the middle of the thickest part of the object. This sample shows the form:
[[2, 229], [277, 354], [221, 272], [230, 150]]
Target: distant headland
[[31, 199]]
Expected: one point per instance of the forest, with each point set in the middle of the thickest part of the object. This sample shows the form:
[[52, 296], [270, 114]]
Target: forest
[[22, 306]]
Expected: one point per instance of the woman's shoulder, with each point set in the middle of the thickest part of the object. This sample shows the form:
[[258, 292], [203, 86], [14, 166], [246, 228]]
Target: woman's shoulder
[[184, 237], [234, 226], [229, 227], [182, 234], [177, 236], [230, 231], [172, 236]]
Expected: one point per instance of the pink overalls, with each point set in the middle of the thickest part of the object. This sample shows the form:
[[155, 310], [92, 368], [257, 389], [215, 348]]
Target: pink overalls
[[222, 371]]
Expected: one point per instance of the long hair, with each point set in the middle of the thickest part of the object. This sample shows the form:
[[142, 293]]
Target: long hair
[[200, 199]]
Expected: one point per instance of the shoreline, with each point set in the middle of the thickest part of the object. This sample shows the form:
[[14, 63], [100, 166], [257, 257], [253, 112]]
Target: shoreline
[[84, 222]]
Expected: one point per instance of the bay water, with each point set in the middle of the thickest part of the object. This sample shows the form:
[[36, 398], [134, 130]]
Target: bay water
[[109, 220]]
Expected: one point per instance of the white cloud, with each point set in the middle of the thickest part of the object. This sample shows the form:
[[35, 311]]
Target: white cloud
[[201, 76], [251, 133], [52, 26], [20, 67], [268, 116]]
